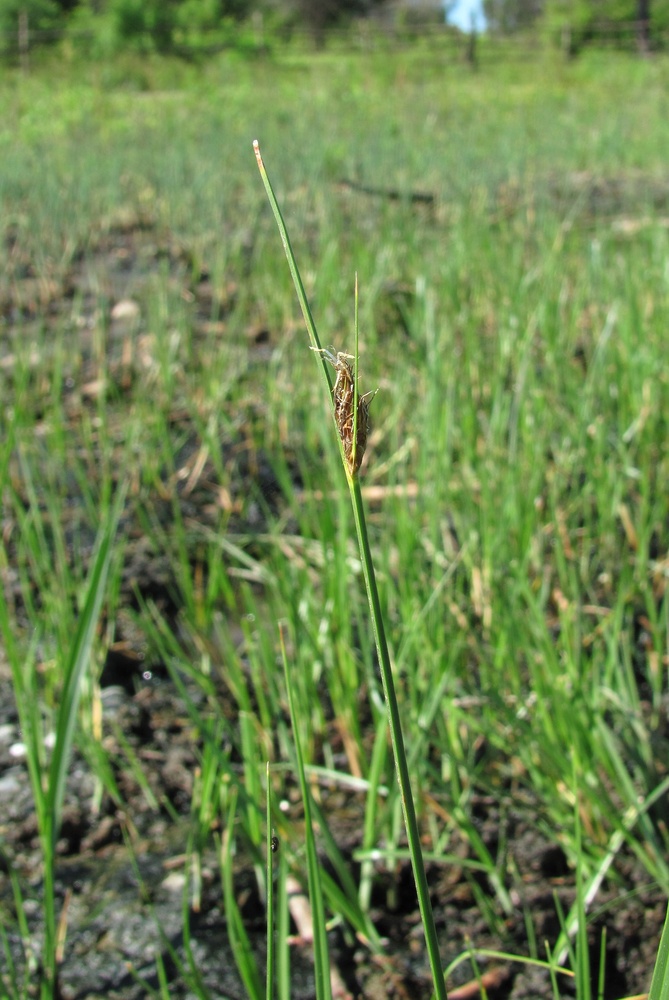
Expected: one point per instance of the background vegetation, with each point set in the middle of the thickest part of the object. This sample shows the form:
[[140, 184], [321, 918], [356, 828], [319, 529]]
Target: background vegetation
[[194, 28], [511, 242]]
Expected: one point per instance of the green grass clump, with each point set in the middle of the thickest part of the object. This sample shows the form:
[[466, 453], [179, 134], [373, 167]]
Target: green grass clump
[[515, 476]]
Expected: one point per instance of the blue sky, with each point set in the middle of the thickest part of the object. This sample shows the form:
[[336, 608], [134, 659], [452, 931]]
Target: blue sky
[[461, 14]]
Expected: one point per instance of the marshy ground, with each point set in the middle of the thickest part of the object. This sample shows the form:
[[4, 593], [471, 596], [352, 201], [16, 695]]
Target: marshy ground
[[515, 327]]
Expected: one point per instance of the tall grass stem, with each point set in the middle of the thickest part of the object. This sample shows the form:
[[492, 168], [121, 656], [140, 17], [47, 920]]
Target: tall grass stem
[[397, 739], [321, 956]]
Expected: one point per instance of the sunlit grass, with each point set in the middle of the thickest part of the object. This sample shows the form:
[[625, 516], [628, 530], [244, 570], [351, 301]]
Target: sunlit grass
[[516, 472]]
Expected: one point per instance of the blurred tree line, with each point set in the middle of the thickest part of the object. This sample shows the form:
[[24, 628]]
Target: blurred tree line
[[644, 23], [164, 25], [189, 26]]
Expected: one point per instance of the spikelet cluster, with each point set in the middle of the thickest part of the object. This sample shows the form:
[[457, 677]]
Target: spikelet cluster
[[353, 433]]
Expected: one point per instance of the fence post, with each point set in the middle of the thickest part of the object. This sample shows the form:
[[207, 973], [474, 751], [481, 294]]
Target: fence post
[[643, 27], [566, 42], [471, 44], [24, 40]]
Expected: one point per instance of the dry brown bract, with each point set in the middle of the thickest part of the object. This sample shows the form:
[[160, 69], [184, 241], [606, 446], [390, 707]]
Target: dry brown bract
[[344, 402]]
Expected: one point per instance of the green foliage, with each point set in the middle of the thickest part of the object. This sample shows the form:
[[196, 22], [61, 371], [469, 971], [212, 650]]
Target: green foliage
[[159, 25], [48, 776], [602, 21], [135, 25], [507, 16], [43, 15], [319, 16], [144, 23], [207, 15]]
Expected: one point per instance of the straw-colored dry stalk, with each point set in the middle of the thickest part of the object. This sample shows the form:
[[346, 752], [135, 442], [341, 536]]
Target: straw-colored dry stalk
[[343, 396]]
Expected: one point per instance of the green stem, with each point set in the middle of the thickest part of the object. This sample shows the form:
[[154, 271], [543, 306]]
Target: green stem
[[408, 808], [397, 739], [321, 954], [294, 272], [269, 857]]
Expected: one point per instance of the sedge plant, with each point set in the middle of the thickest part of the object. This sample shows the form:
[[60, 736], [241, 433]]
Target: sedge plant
[[48, 771], [350, 416]]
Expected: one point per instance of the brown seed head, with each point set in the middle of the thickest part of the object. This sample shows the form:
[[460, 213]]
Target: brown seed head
[[343, 395]]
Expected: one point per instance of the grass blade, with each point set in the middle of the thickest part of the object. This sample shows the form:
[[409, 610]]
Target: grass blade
[[76, 665], [270, 848], [397, 740], [239, 939], [659, 987], [321, 955]]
